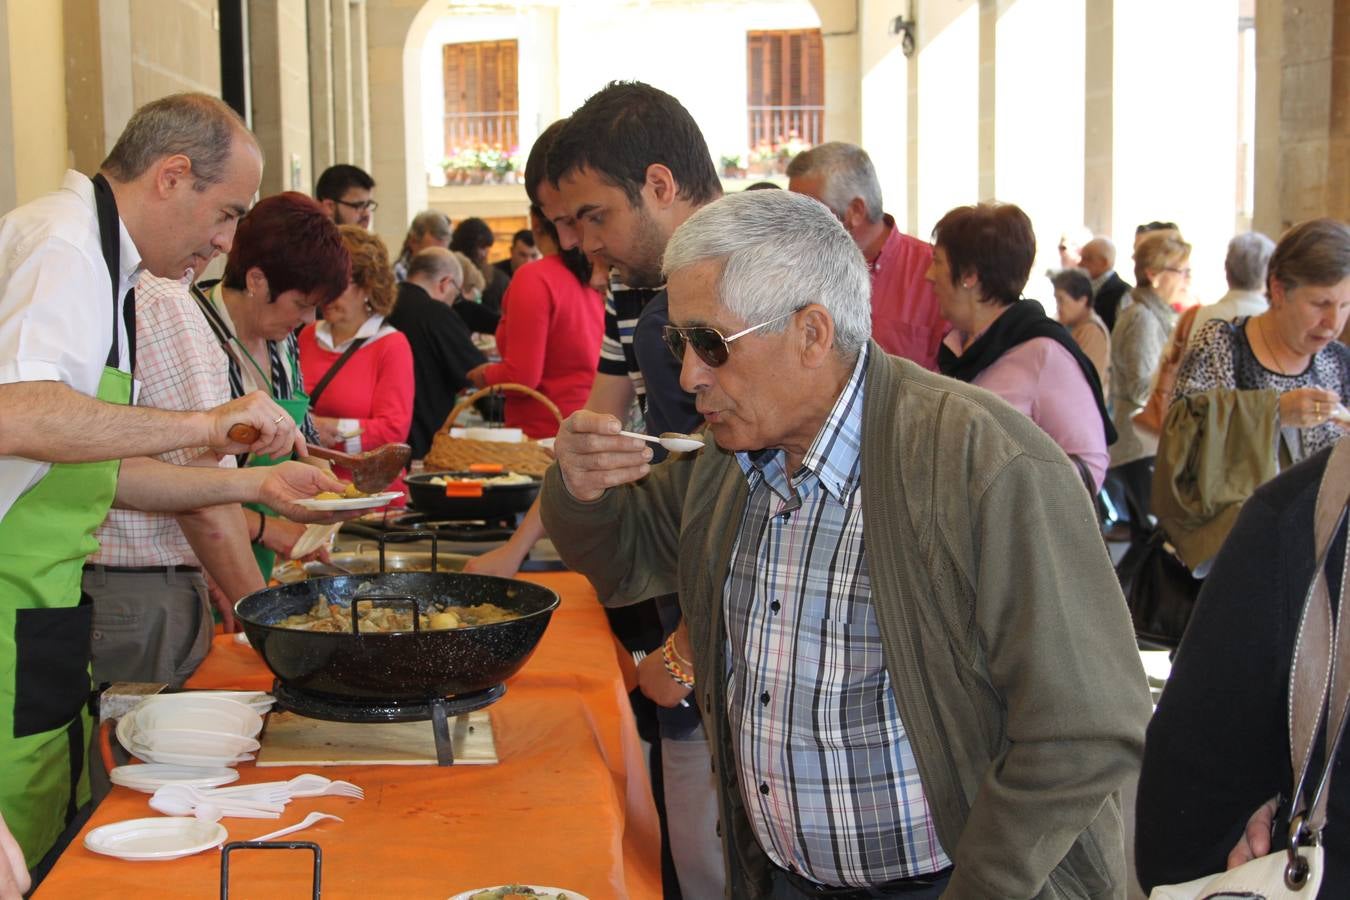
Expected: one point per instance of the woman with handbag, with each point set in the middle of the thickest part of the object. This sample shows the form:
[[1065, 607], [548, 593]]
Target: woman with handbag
[[1219, 783], [358, 368], [1256, 395], [1162, 273]]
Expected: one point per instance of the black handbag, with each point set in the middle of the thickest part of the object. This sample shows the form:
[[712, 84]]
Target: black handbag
[[1161, 593]]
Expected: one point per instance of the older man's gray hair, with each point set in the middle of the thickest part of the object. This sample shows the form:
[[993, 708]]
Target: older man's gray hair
[[779, 252], [846, 171], [1245, 264], [198, 126]]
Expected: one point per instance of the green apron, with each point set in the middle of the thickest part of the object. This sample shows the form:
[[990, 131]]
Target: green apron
[[45, 620], [297, 408]]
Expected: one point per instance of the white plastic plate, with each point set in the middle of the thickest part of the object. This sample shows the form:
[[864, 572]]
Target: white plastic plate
[[384, 498], [160, 837], [150, 777]]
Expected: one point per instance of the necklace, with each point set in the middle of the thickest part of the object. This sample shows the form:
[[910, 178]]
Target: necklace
[[1274, 353]]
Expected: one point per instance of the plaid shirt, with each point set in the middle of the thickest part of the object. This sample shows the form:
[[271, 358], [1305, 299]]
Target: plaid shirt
[[829, 780], [179, 365]]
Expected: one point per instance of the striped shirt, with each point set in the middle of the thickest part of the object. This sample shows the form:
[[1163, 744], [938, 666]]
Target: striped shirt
[[283, 382], [623, 305], [180, 366], [826, 769]]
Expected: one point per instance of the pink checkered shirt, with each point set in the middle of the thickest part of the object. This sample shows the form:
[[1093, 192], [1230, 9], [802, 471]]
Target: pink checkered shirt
[[179, 365]]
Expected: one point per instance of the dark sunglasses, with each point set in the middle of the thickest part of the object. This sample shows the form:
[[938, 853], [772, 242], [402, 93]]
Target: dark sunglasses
[[708, 343]]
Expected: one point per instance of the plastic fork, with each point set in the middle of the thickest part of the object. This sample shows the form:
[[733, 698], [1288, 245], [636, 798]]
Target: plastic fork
[[305, 785], [302, 824]]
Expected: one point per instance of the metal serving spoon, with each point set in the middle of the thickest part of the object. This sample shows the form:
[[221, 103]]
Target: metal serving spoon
[[372, 471], [671, 440]]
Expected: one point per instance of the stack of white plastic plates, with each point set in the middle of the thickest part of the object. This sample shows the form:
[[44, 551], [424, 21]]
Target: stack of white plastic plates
[[195, 729], [152, 776]]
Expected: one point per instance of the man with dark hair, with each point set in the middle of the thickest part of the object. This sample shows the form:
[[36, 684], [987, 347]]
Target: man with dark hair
[[71, 446], [627, 169], [474, 238], [443, 352], [344, 191], [523, 251]]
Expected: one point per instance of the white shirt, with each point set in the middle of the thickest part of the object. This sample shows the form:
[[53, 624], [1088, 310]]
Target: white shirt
[[56, 310], [1228, 307]]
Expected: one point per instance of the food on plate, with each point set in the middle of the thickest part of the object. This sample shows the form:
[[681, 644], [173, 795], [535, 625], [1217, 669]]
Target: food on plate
[[517, 892], [348, 493], [328, 616], [503, 479]]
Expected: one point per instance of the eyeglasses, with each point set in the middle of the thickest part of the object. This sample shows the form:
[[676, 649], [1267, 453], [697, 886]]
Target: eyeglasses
[[1184, 273], [359, 205], [708, 343]]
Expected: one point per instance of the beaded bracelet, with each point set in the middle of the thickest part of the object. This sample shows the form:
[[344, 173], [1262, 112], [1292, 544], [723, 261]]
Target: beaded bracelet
[[673, 668]]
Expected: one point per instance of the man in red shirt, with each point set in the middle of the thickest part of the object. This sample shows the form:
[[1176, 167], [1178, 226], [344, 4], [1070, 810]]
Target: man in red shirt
[[905, 317]]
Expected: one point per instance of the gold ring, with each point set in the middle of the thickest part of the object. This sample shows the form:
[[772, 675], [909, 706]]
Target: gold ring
[[1317, 408], [278, 418]]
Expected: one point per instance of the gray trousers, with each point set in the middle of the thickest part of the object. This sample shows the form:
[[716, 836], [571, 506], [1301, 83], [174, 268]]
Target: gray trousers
[[148, 626], [691, 816]]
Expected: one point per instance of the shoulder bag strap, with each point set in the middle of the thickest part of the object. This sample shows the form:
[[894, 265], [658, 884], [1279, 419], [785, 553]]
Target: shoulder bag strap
[[1320, 674], [328, 376]]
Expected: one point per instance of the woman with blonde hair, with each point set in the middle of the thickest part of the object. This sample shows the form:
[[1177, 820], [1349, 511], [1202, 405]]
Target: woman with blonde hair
[[359, 369], [1162, 273]]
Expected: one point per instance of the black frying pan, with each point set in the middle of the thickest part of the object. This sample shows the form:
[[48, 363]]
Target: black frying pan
[[401, 666], [499, 501]]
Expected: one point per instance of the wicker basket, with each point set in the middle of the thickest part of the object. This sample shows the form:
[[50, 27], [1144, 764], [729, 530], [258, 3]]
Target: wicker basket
[[452, 454]]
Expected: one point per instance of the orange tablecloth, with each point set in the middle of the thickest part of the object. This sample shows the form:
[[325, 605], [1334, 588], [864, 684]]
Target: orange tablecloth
[[568, 805]]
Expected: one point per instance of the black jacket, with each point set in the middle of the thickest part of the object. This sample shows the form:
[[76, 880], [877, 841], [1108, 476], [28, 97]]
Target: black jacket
[[442, 356], [1218, 745], [1107, 301]]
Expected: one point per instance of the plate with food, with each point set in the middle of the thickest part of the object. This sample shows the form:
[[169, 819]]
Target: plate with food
[[351, 499], [519, 892]]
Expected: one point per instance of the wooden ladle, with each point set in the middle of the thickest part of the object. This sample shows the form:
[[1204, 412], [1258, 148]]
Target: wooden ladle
[[372, 471]]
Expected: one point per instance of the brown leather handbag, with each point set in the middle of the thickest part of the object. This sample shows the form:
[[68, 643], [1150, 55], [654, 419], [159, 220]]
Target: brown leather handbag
[[1150, 417]]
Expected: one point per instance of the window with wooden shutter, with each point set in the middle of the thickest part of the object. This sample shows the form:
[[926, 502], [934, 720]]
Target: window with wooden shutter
[[481, 102], [786, 90]]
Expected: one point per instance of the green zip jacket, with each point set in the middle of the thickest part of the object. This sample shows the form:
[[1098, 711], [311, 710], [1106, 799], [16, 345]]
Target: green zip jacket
[[1005, 633]]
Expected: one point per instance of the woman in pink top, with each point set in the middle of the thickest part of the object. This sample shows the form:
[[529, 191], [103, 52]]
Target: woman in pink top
[[982, 256], [368, 401], [552, 322]]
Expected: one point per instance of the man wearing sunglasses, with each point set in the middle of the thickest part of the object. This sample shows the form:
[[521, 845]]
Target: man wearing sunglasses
[[907, 689], [344, 191]]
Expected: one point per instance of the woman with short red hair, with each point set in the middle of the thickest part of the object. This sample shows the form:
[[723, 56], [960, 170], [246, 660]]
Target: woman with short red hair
[[982, 256], [287, 261]]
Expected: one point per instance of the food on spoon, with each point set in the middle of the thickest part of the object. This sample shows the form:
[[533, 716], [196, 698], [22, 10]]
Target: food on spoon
[[348, 493], [334, 617]]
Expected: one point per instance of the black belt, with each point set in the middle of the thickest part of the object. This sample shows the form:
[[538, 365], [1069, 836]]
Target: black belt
[[913, 884], [141, 570]]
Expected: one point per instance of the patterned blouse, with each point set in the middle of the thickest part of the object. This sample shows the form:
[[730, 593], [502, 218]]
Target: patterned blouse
[[1220, 356]]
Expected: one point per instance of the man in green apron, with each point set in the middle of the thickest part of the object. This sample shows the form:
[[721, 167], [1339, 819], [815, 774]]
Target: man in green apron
[[181, 175]]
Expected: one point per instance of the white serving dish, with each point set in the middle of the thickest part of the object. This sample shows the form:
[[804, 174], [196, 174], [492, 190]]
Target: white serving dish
[[160, 837]]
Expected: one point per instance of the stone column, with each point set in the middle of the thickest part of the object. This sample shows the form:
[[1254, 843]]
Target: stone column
[[32, 101], [323, 137], [360, 91], [1098, 115], [279, 56], [1302, 112], [839, 22], [987, 98]]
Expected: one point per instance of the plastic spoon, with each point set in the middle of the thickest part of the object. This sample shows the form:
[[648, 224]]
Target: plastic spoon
[[671, 440]]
